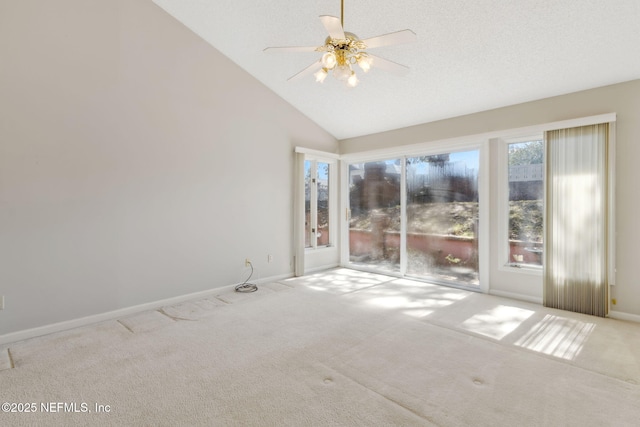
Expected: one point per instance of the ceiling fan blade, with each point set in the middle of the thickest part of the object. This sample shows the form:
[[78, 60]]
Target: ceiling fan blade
[[310, 69], [385, 64], [398, 37], [288, 49], [333, 26]]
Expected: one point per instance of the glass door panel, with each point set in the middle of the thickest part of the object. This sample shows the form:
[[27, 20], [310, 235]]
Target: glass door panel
[[317, 176], [307, 204], [323, 224], [442, 217], [374, 226]]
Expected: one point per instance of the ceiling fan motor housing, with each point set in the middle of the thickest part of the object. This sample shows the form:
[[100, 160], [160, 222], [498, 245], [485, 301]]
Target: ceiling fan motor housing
[[343, 52]]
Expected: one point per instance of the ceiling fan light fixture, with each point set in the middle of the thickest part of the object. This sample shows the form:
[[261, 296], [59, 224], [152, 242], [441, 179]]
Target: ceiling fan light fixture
[[342, 50]]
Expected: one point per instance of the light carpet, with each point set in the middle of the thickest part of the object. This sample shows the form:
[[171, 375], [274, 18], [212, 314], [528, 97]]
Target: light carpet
[[337, 348]]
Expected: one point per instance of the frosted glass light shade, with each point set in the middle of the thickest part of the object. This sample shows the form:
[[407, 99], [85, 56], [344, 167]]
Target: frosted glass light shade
[[320, 75], [353, 81], [329, 60], [365, 63], [342, 72]]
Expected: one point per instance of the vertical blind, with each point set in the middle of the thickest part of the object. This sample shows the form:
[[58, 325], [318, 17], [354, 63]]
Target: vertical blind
[[576, 219]]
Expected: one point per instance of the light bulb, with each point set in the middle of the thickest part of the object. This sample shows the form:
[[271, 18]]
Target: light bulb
[[352, 81], [365, 63], [329, 60], [320, 75]]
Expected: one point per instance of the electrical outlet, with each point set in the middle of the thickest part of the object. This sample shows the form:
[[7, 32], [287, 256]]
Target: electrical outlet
[[247, 263], [1, 302], [614, 301]]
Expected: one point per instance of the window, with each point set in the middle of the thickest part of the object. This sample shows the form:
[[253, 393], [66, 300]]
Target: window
[[525, 202], [419, 215], [317, 193]]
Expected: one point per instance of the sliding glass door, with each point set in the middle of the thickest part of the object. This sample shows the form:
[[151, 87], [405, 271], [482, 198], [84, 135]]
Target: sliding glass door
[[442, 217], [374, 226], [417, 216]]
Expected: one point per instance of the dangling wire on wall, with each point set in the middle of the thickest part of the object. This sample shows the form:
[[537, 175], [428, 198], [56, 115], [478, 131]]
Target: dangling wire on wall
[[246, 286]]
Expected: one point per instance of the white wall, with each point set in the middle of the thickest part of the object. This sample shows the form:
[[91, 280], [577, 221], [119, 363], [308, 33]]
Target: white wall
[[623, 99], [137, 163]]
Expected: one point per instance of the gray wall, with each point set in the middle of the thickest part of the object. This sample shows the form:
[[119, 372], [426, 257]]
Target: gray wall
[[137, 163]]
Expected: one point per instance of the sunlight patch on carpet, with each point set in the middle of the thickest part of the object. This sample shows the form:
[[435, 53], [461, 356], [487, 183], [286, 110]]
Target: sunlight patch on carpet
[[413, 298], [557, 336], [497, 322], [340, 281]]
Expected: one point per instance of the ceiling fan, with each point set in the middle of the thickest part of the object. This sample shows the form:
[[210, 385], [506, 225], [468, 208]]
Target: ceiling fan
[[342, 50]]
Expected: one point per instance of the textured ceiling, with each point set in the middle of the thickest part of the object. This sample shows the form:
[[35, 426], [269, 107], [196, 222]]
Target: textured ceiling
[[471, 55]]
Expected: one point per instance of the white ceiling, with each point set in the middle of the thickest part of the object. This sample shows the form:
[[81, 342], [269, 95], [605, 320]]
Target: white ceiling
[[471, 55]]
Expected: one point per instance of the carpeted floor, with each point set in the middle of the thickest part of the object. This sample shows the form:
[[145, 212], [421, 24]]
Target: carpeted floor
[[338, 348]]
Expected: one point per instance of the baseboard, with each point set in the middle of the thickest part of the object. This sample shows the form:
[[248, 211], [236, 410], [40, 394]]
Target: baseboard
[[122, 312], [619, 315], [515, 296], [321, 268], [269, 279]]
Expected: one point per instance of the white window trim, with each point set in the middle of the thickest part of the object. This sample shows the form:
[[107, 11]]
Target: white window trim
[[316, 154]]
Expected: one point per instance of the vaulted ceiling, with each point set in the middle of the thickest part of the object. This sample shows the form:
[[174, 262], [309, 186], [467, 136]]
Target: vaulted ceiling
[[470, 55]]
